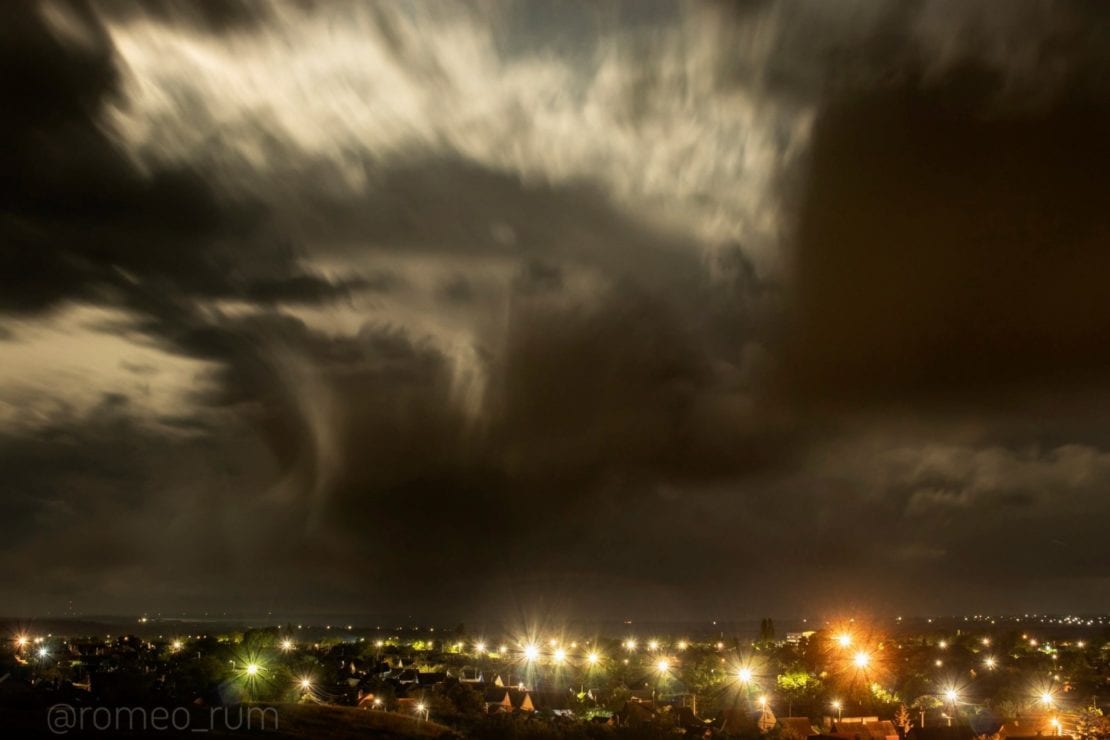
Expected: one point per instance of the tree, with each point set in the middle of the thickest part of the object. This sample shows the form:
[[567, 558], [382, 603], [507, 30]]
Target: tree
[[1090, 723], [796, 685], [902, 720]]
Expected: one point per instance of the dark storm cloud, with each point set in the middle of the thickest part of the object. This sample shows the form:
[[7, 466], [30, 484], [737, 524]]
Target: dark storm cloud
[[544, 316], [947, 248]]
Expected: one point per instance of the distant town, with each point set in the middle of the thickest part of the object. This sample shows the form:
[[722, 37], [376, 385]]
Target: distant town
[[947, 678]]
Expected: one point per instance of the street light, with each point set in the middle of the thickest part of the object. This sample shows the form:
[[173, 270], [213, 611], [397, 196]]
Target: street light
[[593, 658], [990, 663], [531, 652], [560, 655], [744, 674], [480, 647], [952, 698], [1047, 699], [252, 669], [287, 644], [839, 709], [844, 639], [663, 665], [861, 659]]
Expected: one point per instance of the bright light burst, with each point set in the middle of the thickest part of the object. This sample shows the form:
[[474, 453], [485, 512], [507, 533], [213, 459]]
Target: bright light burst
[[744, 674], [560, 655], [844, 639], [861, 659], [287, 644], [531, 652], [593, 658], [663, 665]]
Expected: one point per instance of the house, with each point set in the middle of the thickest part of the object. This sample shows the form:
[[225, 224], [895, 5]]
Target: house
[[796, 728], [470, 675], [867, 729], [500, 699], [740, 719], [1031, 725], [430, 679], [497, 700]]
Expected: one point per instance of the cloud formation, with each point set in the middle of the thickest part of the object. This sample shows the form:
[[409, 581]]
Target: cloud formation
[[553, 307]]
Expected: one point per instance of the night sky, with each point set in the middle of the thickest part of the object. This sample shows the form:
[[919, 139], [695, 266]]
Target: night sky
[[597, 310]]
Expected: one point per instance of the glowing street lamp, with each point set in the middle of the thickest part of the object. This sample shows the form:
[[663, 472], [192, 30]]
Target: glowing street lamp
[[44, 653], [287, 644], [663, 665], [306, 684], [990, 663], [744, 674], [531, 652], [861, 660], [1047, 698], [593, 658], [480, 647], [21, 641], [952, 696], [839, 709], [763, 702], [422, 709], [252, 669], [844, 639], [1056, 725], [653, 645], [560, 655]]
